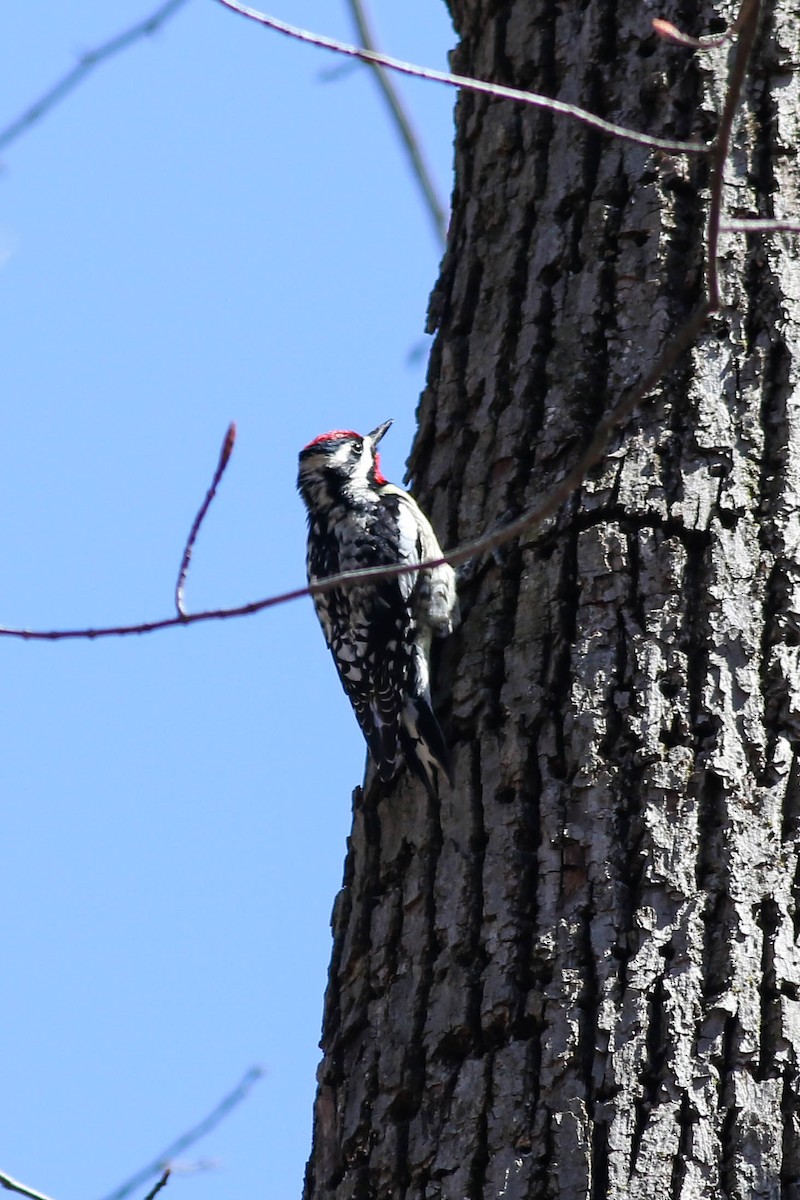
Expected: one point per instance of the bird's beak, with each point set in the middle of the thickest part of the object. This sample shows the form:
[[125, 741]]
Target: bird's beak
[[378, 433]]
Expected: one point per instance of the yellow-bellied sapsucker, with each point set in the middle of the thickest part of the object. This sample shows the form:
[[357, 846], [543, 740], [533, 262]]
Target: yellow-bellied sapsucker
[[378, 632]]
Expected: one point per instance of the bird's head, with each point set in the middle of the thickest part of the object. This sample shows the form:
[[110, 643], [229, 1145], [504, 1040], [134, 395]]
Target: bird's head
[[337, 463]]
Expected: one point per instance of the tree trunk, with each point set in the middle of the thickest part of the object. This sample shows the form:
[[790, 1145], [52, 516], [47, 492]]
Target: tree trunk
[[578, 974]]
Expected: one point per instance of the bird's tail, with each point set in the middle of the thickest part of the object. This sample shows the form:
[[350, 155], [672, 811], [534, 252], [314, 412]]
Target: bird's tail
[[422, 744]]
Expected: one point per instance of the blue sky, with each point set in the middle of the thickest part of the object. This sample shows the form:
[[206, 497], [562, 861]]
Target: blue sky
[[213, 227]]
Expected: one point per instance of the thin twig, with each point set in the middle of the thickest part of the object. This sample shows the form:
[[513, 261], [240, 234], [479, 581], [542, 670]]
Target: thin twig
[[86, 64], [465, 82], [161, 1183], [671, 33], [212, 614], [747, 22], [13, 1185], [224, 456], [188, 1139], [194, 1168], [408, 136], [759, 225]]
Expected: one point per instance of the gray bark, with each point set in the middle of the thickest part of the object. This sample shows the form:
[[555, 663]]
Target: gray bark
[[578, 974]]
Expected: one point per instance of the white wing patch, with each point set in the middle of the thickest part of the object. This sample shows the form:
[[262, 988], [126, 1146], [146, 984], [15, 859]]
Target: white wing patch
[[436, 606], [408, 547]]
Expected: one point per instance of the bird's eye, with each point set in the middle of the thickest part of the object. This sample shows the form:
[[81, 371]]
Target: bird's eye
[[358, 447]]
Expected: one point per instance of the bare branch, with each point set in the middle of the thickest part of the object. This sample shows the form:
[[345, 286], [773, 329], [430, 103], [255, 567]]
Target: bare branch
[[187, 1139], [465, 83], [671, 33], [759, 225], [215, 614], [407, 133], [161, 1183], [13, 1185], [224, 456], [86, 64], [195, 1167], [747, 23]]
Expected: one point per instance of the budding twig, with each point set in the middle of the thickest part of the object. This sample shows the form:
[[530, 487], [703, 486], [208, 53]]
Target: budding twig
[[224, 456], [671, 33]]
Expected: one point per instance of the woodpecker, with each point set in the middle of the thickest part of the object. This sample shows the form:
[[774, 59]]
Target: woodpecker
[[380, 632]]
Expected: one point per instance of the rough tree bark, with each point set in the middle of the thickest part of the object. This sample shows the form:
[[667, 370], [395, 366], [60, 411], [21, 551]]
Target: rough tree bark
[[578, 975]]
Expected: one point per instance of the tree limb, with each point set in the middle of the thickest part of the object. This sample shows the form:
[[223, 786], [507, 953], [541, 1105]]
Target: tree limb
[[158, 1166], [85, 65], [465, 82], [408, 136]]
